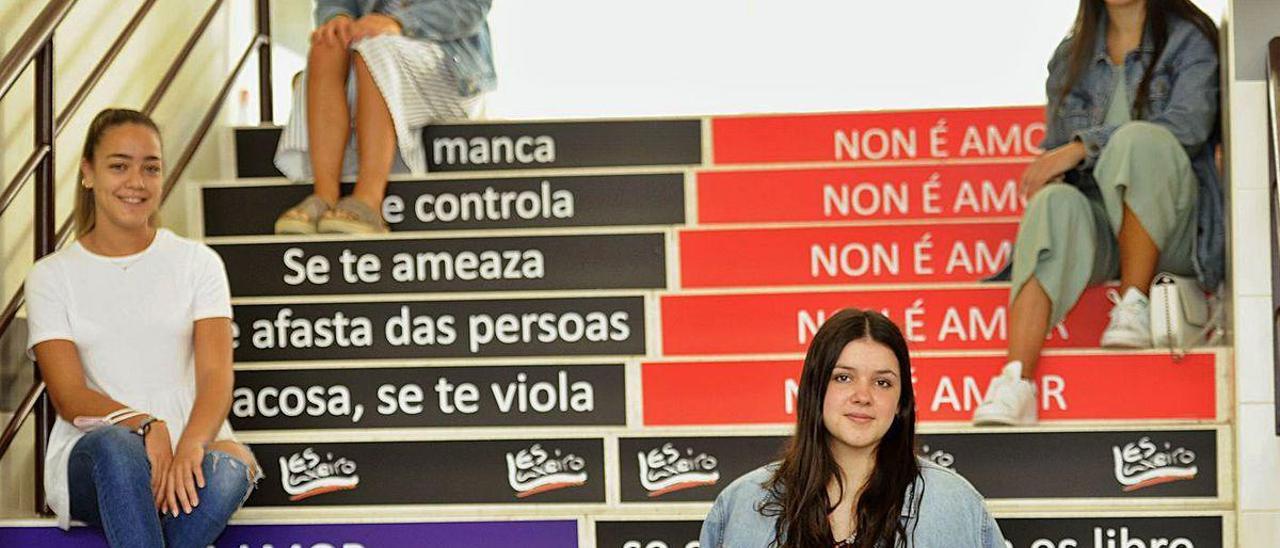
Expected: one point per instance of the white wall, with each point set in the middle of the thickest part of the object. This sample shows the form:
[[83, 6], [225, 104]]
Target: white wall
[[662, 57], [594, 58]]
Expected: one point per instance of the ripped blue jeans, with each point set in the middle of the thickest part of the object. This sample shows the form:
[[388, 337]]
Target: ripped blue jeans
[[109, 477]]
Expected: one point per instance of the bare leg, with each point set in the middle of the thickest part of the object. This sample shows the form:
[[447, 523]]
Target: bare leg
[[1028, 325], [328, 118], [1138, 254], [375, 137]]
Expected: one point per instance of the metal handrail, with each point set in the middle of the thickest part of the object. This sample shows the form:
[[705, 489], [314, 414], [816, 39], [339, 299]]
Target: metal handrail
[[181, 59], [20, 416], [36, 47], [19, 180], [40, 32]]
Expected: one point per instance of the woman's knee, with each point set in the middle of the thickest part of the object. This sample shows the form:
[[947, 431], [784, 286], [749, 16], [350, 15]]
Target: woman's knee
[[112, 454], [1141, 138], [112, 443], [227, 477], [1059, 202], [328, 59]]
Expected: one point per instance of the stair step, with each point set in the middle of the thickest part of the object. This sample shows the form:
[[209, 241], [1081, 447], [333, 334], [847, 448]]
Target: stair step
[[615, 530], [1071, 387], [930, 135], [417, 327], [879, 193], [961, 317], [306, 266], [900, 254], [1046, 467], [488, 146], [459, 204], [362, 398], [428, 472], [359, 533], [1105, 466], [1100, 531]]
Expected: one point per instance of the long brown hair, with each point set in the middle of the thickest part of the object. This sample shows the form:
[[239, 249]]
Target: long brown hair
[[1084, 35], [84, 204], [798, 489]]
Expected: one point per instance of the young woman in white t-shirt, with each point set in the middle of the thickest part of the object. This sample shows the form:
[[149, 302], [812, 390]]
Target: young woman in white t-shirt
[[131, 328]]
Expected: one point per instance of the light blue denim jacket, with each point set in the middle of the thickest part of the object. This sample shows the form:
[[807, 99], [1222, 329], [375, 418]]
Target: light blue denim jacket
[[939, 510], [1183, 97], [459, 27]]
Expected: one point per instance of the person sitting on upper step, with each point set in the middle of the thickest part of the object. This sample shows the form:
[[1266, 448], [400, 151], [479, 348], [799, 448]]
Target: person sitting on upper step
[[1127, 184], [131, 328], [400, 65]]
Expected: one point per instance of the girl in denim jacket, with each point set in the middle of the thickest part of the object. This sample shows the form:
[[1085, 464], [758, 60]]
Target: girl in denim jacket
[[1126, 187], [850, 477]]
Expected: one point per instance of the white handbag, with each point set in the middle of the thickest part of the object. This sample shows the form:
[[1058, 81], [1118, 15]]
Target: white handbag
[[1181, 315]]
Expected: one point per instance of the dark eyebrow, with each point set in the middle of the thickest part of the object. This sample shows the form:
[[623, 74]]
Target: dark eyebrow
[[128, 157], [880, 372]]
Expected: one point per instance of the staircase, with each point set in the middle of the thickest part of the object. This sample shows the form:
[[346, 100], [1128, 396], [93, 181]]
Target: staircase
[[578, 332]]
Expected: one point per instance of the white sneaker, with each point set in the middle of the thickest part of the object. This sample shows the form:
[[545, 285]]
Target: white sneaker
[[1130, 325], [1010, 401]]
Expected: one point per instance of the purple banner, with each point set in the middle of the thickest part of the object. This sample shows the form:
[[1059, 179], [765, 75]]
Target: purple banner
[[480, 534]]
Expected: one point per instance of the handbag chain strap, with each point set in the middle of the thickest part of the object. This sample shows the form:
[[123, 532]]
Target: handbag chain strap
[[1210, 333]]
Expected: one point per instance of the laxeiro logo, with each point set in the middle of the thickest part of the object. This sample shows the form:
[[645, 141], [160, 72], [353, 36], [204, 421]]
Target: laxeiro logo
[[534, 470], [304, 475], [1143, 464], [938, 457], [665, 470]]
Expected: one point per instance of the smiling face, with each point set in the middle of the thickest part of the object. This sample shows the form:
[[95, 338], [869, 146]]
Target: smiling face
[[126, 176], [862, 397]]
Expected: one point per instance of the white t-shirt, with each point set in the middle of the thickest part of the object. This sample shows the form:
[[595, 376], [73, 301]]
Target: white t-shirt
[[131, 319]]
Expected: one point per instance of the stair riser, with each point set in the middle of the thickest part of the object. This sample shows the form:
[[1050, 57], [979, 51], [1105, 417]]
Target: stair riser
[[496, 203], [614, 261]]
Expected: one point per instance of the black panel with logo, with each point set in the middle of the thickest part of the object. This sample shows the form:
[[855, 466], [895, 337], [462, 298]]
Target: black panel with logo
[[431, 472], [613, 261], [1144, 464], [602, 326], [1167, 532], [536, 395], [563, 144], [675, 469], [647, 534], [516, 202], [1024, 465]]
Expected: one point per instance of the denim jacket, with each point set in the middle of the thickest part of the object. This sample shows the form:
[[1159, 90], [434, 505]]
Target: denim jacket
[[939, 510], [1182, 97], [459, 27]]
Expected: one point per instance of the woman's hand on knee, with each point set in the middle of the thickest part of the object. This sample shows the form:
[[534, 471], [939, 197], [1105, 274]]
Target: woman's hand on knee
[[186, 475], [160, 454], [335, 32], [1050, 166]]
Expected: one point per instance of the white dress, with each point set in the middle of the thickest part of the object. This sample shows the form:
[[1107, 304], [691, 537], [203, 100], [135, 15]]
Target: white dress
[[131, 319]]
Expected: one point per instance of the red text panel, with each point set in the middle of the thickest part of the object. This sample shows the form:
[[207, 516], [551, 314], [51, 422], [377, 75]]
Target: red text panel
[[1009, 132], [968, 318], [947, 191], [1098, 387], [841, 255]]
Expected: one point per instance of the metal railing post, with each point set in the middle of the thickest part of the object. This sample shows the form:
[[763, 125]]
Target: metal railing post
[[265, 106], [44, 221]]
